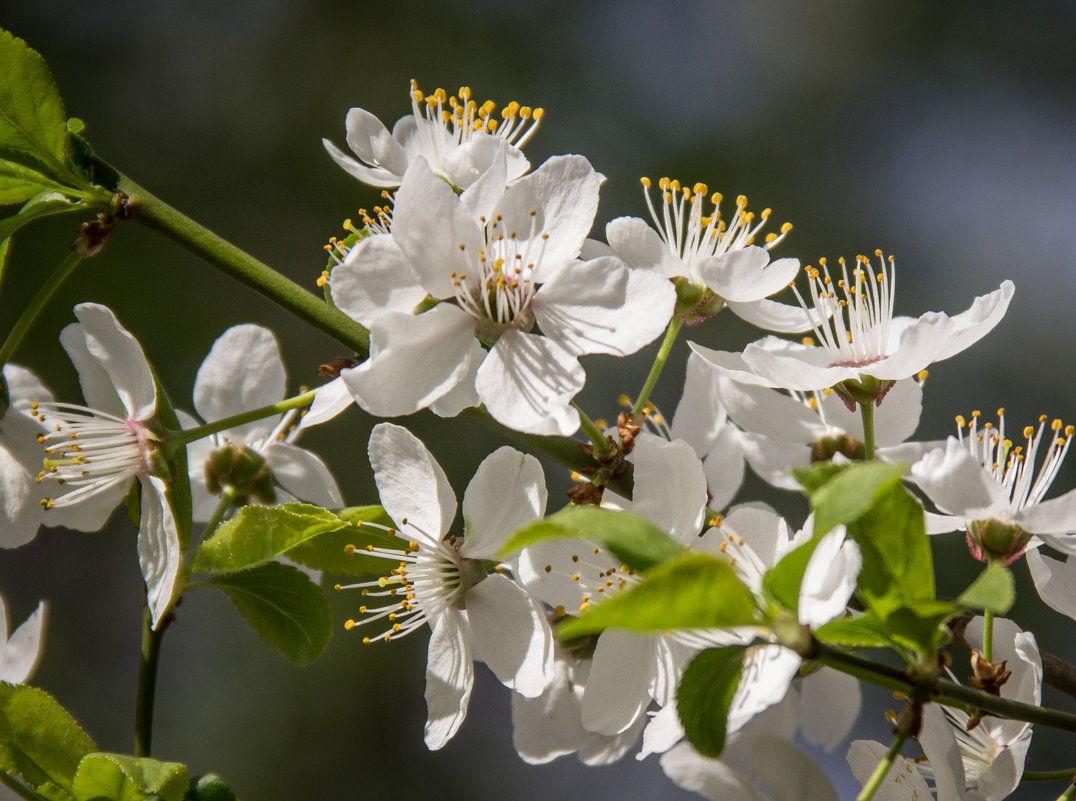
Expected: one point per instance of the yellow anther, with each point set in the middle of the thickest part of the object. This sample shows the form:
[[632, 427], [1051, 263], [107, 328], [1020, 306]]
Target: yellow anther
[[559, 610], [349, 549], [1056, 425], [349, 625]]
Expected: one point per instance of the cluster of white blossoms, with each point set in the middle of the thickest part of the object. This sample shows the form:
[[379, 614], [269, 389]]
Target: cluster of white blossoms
[[481, 286]]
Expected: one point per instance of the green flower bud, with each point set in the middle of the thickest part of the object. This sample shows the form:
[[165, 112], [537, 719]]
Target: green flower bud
[[990, 540], [243, 471]]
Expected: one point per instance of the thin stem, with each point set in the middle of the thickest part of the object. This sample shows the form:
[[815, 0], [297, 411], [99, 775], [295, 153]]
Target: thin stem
[[594, 434], [1049, 775], [147, 681], [178, 439], [19, 788], [158, 215], [866, 411], [1070, 792], [882, 768], [988, 635], [942, 691], [675, 324], [33, 309]]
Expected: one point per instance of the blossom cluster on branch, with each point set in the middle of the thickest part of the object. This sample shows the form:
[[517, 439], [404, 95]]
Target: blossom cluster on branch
[[646, 613]]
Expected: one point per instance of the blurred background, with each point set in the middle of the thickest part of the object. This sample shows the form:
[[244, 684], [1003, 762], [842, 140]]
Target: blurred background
[[943, 133]]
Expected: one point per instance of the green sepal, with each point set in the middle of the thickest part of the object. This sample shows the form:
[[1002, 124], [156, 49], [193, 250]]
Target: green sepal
[[259, 533], [850, 491], [994, 590], [705, 695], [695, 590], [634, 540], [40, 743], [209, 787], [119, 777], [864, 631], [43, 204], [329, 551], [286, 609]]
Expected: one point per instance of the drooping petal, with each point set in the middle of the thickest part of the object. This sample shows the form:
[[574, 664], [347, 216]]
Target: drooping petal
[[710, 778], [119, 353], [243, 371], [372, 176], [371, 141], [830, 702], [511, 634], [747, 274], [414, 360], [830, 579], [618, 688], [1055, 516], [699, 416], [563, 195], [330, 400], [507, 491], [958, 484], [20, 656], [604, 306], [547, 727], [1055, 581], [304, 475], [527, 383], [449, 678], [942, 750], [374, 279], [670, 486], [410, 482], [158, 547], [790, 774]]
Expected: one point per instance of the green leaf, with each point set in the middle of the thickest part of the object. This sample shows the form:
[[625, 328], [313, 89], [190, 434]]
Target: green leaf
[[43, 204], [853, 491], [32, 118], [696, 590], [40, 742], [812, 478], [994, 590], [285, 608], [20, 182], [783, 580], [865, 631], [126, 778], [705, 694], [634, 540], [329, 551], [897, 566], [209, 787], [5, 254], [917, 625], [259, 533]]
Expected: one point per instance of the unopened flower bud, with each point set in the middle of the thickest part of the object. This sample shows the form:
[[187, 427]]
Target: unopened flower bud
[[241, 469]]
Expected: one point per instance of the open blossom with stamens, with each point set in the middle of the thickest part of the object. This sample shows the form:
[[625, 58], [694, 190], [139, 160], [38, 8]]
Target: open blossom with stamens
[[458, 137], [858, 340], [21, 512], [496, 263], [718, 254], [244, 371], [94, 453], [444, 581]]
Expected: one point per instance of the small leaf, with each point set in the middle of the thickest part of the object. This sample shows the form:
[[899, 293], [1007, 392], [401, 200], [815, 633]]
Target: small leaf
[[917, 625], [126, 778], [209, 787], [814, 477], [20, 182], [285, 608], [852, 492], [634, 540], [705, 695], [329, 552], [865, 631], [32, 116], [693, 591], [783, 580], [259, 533], [43, 204], [40, 742], [994, 590]]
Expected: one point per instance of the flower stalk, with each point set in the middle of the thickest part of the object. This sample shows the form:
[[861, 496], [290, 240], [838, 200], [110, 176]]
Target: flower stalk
[[675, 324], [882, 769], [147, 681], [179, 439], [37, 303]]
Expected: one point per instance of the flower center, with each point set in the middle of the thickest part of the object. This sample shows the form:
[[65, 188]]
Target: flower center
[[853, 322], [429, 577], [90, 450], [498, 293], [1014, 467], [693, 235]]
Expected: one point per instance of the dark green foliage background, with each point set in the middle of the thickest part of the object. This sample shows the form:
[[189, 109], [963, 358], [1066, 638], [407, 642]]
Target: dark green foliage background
[[940, 132]]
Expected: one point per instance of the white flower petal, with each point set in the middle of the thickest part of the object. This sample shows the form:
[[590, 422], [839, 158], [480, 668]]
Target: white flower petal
[[374, 279], [330, 400], [662, 732], [96, 384], [767, 674], [547, 727], [158, 547], [20, 510], [119, 353], [699, 416], [512, 635], [449, 678], [618, 687], [410, 482], [603, 306], [371, 141], [670, 486], [527, 383], [761, 410], [942, 750], [304, 475], [830, 702], [507, 491], [20, 655], [641, 246], [1055, 516], [830, 579], [373, 176], [732, 365], [772, 316], [788, 773], [724, 467], [414, 360], [1055, 581], [904, 782], [773, 461], [747, 274], [463, 395], [958, 484], [710, 778], [482, 195], [243, 371]]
